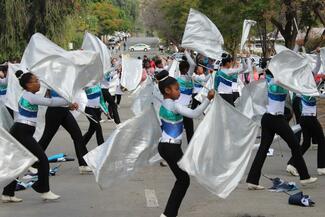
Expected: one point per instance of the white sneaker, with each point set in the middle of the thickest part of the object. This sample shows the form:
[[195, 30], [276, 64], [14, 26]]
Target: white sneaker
[[84, 170], [321, 171], [162, 215], [254, 187], [308, 181], [8, 199], [292, 170], [50, 196], [33, 170]]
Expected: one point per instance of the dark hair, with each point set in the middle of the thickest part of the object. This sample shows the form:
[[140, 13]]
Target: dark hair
[[23, 78], [164, 81], [158, 61], [269, 73], [183, 65], [226, 58], [4, 68], [144, 62]]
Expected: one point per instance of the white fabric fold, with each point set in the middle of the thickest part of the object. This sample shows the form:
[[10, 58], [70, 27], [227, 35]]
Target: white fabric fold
[[131, 146], [220, 149], [202, 35], [253, 100], [131, 72], [294, 72], [15, 158], [246, 28], [93, 43]]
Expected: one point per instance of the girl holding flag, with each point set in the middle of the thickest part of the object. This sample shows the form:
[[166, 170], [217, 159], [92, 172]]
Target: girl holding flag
[[171, 114], [23, 130]]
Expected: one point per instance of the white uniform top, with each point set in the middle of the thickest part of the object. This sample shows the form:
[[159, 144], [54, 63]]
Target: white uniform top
[[171, 115], [105, 83], [28, 106]]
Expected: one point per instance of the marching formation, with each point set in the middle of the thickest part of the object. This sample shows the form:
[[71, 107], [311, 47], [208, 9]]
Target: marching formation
[[231, 93]]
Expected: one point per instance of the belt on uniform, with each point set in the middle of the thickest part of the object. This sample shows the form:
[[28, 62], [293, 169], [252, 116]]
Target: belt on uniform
[[173, 141], [308, 114], [30, 123], [275, 113]]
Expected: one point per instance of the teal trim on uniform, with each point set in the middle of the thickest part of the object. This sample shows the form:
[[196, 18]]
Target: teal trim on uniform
[[168, 115]]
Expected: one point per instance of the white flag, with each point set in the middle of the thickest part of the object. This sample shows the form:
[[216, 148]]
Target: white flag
[[15, 158], [246, 28], [6, 120], [131, 146], [220, 149], [294, 72], [253, 100], [278, 48], [174, 69], [93, 43], [131, 72], [322, 55], [202, 35], [66, 72]]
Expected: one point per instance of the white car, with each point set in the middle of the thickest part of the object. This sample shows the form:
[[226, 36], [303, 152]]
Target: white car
[[139, 47]]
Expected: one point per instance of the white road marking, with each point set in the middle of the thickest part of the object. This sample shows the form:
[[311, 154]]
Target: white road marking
[[151, 198]]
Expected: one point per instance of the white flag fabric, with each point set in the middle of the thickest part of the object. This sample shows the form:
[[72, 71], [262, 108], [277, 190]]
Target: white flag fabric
[[293, 72], [203, 93], [6, 120], [14, 90], [15, 158], [93, 43], [278, 48], [322, 55], [143, 96], [246, 28], [202, 35], [220, 148], [131, 72], [174, 69], [253, 100], [130, 147], [66, 72]]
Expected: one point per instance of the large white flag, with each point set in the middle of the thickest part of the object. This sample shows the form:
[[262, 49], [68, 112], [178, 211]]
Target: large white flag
[[14, 90], [131, 146], [202, 35], [294, 72], [15, 158], [246, 28], [66, 72], [253, 100], [131, 72], [322, 55], [6, 120], [93, 43], [219, 151]]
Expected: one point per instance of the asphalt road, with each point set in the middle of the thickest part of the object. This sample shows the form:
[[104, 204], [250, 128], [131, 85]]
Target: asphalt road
[[81, 197]]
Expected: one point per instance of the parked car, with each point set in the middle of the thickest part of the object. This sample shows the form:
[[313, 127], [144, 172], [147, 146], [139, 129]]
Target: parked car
[[139, 47]]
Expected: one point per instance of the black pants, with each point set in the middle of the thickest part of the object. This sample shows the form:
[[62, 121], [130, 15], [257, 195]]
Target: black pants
[[235, 96], [189, 128], [93, 126], [118, 98], [228, 97], [24, 134], [54, 118], [296, 106], [172, 153], [195, 103], [112, 107], [312, 129], [271, 125]]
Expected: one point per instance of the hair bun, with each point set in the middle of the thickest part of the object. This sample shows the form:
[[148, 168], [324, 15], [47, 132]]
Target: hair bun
[[19, 73], [162, 75]]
